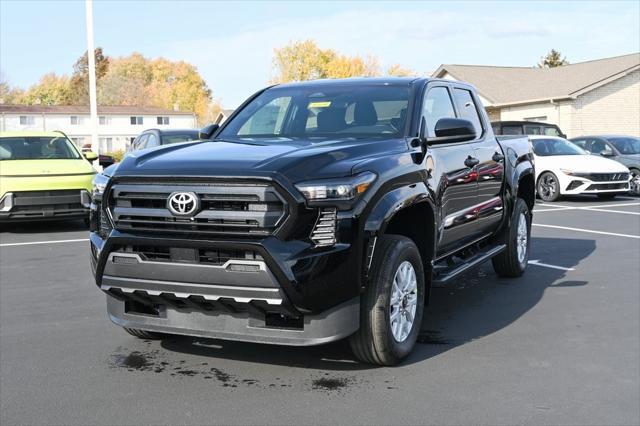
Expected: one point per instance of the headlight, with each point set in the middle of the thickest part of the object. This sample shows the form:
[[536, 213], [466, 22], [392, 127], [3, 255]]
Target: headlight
[[99, 184], [342, 189]]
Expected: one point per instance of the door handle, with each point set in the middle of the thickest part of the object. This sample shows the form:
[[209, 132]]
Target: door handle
[[497, 157], [471, 162]]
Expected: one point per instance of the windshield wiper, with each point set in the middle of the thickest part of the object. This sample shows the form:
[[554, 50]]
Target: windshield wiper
[[236, 141]]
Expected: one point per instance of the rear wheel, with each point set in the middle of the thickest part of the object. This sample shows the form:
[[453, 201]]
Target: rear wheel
[[392, 306], [144, 334], [512, 262], [548, 187]]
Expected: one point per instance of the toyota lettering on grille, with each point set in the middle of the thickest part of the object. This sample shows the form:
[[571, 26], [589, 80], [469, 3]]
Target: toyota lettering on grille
[[183, 203]]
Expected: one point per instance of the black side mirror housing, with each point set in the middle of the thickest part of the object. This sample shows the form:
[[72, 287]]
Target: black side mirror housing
[[208, 131], [450, 130]]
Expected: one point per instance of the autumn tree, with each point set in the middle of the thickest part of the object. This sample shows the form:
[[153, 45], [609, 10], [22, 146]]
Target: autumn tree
[[552, 59], [305, 60], [80, 77], [50, 90], [396, 70], [8, 94]]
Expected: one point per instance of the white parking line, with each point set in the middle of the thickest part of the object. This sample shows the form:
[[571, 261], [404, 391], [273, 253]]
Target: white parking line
[[587, 230], [600, 208], [43, 242], [546, 265]]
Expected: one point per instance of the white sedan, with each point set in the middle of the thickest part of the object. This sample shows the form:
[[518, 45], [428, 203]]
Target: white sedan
[[562, 168]]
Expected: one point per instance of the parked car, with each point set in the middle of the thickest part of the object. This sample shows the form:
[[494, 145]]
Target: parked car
[[151, 138], [623, 149], [563, 168], [323, 210], [526, 128], [103, 159], [43, 176]]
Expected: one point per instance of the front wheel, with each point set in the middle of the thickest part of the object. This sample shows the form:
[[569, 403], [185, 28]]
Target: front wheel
[[392, 306], [548, 187], [512, 262]]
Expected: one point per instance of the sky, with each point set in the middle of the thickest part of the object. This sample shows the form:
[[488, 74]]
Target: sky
[[231, 43]]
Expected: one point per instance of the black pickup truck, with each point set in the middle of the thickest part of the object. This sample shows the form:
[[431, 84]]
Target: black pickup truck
[[318, 211]]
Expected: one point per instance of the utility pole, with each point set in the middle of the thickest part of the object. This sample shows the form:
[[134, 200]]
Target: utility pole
[[91, 57]]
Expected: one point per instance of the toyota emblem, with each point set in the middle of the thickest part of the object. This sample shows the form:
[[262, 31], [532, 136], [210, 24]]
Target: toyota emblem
[[183, 203]]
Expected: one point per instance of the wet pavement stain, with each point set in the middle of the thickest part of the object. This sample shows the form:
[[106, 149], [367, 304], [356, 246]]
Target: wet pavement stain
[[330, 384], [133, 361]]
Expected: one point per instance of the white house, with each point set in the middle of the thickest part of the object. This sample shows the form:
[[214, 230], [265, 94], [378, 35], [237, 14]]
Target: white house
[[117, 125], [593, 97]]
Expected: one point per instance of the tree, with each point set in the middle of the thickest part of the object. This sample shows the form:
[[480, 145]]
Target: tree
[[304, 60], [301, 60], [8, 94], [80, 76], [552, 59], [50, 90], [397, 71]]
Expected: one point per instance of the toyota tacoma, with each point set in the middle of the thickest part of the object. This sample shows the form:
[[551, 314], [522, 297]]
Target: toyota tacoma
[[318, 211]]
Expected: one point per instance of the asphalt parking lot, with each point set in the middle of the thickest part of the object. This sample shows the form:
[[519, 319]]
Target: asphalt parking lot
[[560, 345]]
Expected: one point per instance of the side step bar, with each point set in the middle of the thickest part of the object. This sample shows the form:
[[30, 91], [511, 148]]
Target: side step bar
[[447, 275]]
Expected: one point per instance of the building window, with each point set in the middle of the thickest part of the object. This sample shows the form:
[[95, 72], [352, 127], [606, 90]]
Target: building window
[[136, 121], [102, 120], [78, 142], [75, 120], [163, 120], [106, 144], [27, 120]]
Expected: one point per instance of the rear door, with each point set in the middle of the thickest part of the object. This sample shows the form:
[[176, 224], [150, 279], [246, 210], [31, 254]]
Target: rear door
[[455, 182], [490, 168]]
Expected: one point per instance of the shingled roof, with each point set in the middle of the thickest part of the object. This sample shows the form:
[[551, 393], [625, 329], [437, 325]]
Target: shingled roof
[[84, 109], [513, 85]]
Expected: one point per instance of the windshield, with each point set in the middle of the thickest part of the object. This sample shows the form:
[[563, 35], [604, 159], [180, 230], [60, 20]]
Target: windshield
[[286, 113], [547, 147], [37, 148], [169, 139], [627, 145]]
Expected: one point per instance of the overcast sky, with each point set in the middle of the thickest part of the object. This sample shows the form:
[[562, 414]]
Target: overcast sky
[[232, 43]]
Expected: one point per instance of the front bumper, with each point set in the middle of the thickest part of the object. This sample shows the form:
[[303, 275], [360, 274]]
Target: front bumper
[[39, 205], [289, 293], [576, 185]]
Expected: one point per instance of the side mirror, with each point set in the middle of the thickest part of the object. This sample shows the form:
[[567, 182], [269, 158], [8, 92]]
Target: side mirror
[[207, 131], [90, 155], [606, 153], [449, 130]]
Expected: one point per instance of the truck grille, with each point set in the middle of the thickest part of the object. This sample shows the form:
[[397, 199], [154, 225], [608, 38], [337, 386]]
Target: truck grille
[[229, 209]]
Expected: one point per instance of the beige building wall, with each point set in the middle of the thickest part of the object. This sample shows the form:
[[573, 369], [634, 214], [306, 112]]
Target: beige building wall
[[612, 108]]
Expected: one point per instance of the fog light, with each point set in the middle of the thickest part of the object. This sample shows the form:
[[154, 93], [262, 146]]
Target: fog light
[[324, 232]]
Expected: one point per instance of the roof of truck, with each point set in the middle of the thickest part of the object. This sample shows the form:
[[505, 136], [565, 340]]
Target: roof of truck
[[30, 133], [353, 81]]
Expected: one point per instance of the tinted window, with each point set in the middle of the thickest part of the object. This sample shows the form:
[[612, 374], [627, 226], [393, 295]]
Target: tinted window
[[317, 113], [549, 147], [142, 141], [582, 143], [626, 145], [169, 139], [152, 141], [437, 105], [467, 108], [37, 148], [531, 130], [597, 146], [512, 130], [551, 131]]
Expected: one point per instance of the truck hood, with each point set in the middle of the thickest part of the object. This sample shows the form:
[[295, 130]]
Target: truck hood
[[295, 160], [579, 163], [30, 168]]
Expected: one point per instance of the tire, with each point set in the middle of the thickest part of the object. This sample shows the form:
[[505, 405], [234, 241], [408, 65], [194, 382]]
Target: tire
[[512, 262], [607, 196], [143, 334], [380, 340], [548, 187], [634, 185]]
